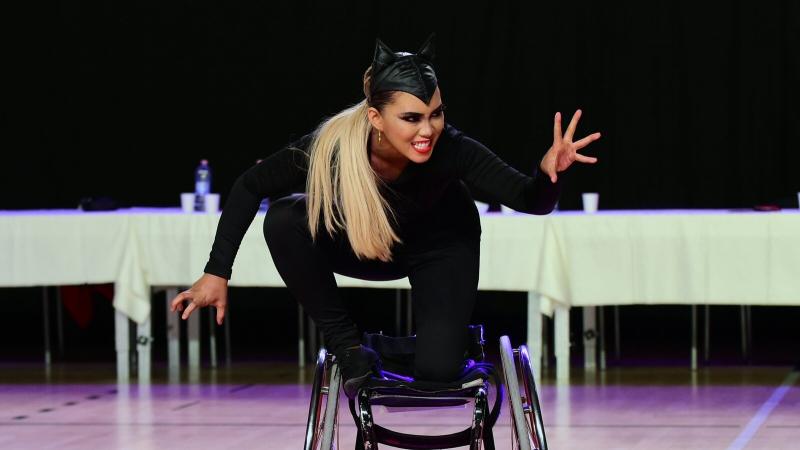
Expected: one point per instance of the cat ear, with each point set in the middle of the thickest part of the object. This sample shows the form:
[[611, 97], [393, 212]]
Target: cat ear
[[428, 49], [383, 56]]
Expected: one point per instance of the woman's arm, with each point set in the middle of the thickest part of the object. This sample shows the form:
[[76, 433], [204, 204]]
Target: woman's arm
[[281, 173], [482, 169], [278, 174]]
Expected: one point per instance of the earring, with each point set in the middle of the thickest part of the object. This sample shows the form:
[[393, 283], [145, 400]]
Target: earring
[[379, 136]]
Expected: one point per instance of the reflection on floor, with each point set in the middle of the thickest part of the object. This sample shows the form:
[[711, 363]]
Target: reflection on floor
[[265, 406]]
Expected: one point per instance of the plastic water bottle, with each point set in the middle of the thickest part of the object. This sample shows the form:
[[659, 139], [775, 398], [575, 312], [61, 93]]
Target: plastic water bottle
[[202, 185]]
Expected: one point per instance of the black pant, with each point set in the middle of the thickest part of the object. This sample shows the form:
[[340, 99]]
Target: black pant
[[443, 274]]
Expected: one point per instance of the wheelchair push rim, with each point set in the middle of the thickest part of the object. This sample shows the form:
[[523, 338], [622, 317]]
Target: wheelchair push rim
[[526, 419], [322, 425], [532, 409]]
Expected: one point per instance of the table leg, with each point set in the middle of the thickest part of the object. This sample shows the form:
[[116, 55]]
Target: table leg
[[545, 343], [694, 337], [173, 339], [749, 333], [398, 308], [707, 334], [534, 337], [212, 337], [561, 329], [48, 359], [227, 325], [123, 345], [409, 313], [743, 327], [601, 335], [589, 338], [617, 348], [301, 337], [143, 347], [59, 322], [746, 325], [193, 334]]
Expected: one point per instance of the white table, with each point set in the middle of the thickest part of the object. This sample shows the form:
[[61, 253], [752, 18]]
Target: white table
[[141, 248], [692, 257], [673, 257], [561, 260]]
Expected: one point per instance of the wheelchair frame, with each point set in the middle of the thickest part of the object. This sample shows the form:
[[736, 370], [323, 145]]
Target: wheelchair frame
[[322, 425]]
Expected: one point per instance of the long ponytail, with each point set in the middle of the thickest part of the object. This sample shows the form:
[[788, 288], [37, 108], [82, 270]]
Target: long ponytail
[[343, 188]]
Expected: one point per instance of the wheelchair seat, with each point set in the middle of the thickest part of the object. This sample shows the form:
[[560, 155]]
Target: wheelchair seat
[[396, 390]]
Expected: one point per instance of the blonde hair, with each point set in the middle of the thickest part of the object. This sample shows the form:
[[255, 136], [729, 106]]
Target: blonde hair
[[343, 188]]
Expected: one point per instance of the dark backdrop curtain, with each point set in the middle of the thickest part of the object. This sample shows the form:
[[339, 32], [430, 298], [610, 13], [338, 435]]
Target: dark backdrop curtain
[[697, 102]]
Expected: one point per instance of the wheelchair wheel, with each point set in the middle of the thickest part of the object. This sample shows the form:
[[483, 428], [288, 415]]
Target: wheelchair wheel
[[526, 418], [323, 421], [533, 410]]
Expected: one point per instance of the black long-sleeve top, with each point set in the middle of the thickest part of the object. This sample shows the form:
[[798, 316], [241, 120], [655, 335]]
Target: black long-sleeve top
[[429, 199]]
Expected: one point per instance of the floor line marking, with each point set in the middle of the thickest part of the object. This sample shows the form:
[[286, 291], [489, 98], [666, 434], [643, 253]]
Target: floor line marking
[[755, 423]]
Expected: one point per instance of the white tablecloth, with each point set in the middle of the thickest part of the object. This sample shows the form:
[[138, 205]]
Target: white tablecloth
[[62, 247], [672, 257], [620, 257]]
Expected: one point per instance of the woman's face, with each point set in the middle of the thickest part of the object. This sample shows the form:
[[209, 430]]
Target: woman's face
[[411, 126]]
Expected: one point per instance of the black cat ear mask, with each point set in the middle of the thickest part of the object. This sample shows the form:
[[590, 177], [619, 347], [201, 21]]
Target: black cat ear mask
[[402, 71]]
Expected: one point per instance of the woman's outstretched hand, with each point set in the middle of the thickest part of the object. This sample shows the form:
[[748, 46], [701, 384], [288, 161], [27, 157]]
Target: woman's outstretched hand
[[209, 290], [564, 152]]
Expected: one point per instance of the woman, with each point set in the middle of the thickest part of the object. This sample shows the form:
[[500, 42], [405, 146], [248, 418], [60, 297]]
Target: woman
[[383, 199]]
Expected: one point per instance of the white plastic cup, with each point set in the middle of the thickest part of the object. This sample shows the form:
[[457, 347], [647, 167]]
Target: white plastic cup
[[590, 201], [187, 202], [211, 202]]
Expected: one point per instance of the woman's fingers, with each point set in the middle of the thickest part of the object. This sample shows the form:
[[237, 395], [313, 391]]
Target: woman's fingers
[[586, 141], [573, 125], [557, 129], [177, 302], [564, 152], [220, 314], [585, 159], [192, 306]]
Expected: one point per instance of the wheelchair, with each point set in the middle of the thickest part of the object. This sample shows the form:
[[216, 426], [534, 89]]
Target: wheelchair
[[397, 389]]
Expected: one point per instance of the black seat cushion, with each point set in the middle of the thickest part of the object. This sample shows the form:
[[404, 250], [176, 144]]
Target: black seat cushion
[[473, 376]]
